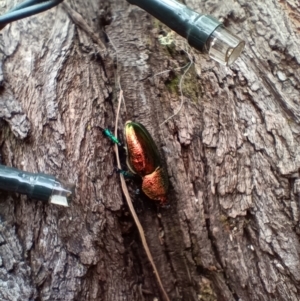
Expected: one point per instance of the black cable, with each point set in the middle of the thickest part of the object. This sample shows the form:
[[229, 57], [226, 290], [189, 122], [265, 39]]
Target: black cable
[[26, 9], [196, 28], [203, 32], [35, 185]]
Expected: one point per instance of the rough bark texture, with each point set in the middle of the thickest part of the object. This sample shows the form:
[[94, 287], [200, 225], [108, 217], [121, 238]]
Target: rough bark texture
[[232, 229]]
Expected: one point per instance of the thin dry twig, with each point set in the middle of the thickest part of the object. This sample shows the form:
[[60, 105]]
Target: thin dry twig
[[131, 208]]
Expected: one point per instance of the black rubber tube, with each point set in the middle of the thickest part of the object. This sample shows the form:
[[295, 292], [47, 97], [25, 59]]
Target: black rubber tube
[[195, 27], [26, 9], [37, 186]]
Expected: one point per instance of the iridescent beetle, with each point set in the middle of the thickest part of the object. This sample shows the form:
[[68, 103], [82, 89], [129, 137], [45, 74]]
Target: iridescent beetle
[[143, 159]]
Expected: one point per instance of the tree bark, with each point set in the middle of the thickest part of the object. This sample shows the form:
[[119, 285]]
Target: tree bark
[[231, 231]]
